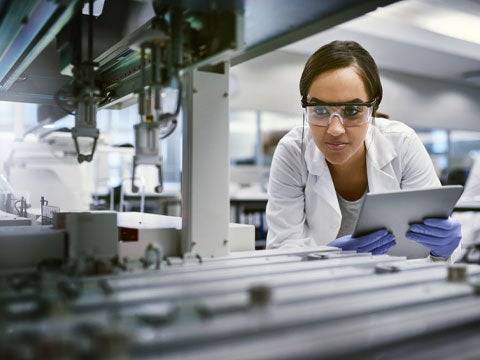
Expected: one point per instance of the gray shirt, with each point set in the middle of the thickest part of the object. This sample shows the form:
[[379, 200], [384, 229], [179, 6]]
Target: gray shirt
[[350, 211]]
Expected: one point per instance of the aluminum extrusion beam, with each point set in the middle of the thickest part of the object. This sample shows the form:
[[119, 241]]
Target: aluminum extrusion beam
[[301, 306]]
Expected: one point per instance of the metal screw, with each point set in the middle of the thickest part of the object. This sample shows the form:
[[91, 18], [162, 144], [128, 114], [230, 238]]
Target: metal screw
[[457, 273], [260, 295]]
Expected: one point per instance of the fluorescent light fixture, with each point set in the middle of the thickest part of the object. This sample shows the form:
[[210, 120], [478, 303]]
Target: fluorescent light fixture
[[452, 23], [434, 16]]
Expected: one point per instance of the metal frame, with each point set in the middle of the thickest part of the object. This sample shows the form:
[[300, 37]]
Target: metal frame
[[205, 185]]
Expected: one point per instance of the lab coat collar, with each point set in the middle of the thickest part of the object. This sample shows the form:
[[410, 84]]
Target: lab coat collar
[[323, 186], [314, 159], [380, 154], [380, 150]]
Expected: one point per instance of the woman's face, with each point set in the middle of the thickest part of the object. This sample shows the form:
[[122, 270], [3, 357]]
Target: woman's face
[[340, 145]]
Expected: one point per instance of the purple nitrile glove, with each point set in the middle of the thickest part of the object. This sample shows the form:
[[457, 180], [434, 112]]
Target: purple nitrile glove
[[441, 236], [378, 242]]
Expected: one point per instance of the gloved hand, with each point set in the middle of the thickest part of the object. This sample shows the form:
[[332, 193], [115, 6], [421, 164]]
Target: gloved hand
[[378, 242], [441, 236]]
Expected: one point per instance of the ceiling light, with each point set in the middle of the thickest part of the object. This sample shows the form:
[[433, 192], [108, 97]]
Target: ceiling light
[[434, 17], [452, 23]]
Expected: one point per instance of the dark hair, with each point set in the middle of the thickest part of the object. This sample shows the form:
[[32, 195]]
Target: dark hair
[[341, 54]]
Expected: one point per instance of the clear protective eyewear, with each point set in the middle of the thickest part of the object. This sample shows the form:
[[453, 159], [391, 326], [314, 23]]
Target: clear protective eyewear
[[350, 114]]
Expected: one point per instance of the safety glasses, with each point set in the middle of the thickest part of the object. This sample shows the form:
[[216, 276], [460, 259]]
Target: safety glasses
[[350, 114]]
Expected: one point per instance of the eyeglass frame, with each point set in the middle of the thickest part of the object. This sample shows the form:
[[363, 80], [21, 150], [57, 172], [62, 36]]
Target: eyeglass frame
[[317, 102]]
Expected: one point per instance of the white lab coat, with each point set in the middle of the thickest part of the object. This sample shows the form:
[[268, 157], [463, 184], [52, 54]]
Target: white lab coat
[[303, 209]]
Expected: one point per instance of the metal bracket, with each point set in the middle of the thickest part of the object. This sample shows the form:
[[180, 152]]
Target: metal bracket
[[85, 132], [147, 151]]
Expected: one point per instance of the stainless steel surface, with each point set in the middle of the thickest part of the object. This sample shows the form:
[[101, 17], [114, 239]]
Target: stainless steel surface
[[265, 306]]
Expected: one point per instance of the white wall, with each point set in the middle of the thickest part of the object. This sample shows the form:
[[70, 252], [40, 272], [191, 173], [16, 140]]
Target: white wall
[[270, 83], [424, 102]]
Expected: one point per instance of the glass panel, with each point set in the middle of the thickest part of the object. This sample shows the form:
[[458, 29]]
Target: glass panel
[[243, 137]]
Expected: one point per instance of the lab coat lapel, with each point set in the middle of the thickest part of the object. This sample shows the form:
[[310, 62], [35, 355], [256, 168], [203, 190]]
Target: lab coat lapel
[[323, 184], [380, 153]]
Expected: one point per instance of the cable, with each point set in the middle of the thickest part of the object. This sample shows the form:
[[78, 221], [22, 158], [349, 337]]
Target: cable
[[59, 102], [172, 117], [15, 206]]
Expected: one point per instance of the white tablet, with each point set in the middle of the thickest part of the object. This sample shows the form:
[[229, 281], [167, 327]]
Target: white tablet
[[396, 210]]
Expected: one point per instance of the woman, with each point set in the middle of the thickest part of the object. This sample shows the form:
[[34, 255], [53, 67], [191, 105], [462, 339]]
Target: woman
[[320, 173]]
